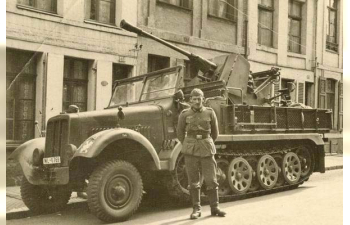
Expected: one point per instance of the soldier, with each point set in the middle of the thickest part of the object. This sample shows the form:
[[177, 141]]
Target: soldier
[[197, 130]]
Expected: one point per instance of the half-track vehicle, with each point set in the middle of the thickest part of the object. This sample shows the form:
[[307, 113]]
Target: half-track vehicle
[[131, 147]]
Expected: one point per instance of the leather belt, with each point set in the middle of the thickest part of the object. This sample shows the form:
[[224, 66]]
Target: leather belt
[[198, 136]]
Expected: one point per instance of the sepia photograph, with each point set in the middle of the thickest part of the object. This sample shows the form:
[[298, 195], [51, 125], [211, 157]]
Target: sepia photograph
[[167, 112]]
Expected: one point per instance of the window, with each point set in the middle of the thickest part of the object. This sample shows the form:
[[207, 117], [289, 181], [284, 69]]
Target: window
[[156, 62], [75, 83], [331, 42], [45, 5], [294, 36], [102, 11], [224, 9], [181, 3], [265, 25], [20, 95], [330, 94], [121, 71]]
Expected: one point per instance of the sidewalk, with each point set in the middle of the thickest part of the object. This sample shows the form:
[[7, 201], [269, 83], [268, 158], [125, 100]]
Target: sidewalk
[[15, 208]]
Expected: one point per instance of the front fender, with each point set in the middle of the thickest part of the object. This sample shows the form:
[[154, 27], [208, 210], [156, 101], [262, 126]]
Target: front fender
[[95, 144], [24, 155]]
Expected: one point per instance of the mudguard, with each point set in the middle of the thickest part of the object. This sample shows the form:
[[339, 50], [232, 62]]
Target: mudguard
[[24, 154], [95, 144]]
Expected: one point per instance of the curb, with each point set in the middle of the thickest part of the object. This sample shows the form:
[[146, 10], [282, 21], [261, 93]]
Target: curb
[[334, 167], [20, 214]]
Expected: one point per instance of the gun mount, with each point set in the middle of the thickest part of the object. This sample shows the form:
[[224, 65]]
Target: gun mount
[[198, 62], [233, 69]]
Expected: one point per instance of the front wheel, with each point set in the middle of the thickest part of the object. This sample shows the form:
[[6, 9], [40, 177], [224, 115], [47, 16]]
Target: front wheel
[[115, 191], [44, 199]]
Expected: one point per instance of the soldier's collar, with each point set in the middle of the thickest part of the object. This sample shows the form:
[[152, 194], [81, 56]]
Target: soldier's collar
[[198, 110]]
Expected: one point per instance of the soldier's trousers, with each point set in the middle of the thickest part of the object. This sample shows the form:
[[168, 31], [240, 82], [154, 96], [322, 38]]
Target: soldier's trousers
[[195, 166]]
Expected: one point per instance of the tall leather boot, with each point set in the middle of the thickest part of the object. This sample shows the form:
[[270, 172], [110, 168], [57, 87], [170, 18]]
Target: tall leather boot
[[196, 203], [213, 197]]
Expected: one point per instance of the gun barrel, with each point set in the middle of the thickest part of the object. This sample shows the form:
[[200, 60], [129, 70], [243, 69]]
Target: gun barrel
[[126, 26]]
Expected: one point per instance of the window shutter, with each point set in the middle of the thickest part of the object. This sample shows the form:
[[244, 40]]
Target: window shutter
[[322, 93], [340, 105], [301, 93]]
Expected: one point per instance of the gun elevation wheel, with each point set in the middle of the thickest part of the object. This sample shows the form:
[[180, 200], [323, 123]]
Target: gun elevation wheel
[[291, 168], [239, 175], [267, 171]]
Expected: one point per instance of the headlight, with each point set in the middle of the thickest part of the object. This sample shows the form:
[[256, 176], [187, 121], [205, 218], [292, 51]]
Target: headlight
[[37, 157]]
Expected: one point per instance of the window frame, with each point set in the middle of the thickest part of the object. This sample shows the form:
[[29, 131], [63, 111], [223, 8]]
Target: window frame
[[113, 13], [227, 18], [272, 11], [299, 19], [190, 3], [332, 46], [69, 81], [29, 74], [32, 6]]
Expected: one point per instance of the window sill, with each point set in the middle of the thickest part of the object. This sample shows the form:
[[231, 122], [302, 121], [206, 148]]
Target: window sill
[[101, 24], [174, 6], [222, 19], [267, 49], [296, 55], [333, 52], [29, 8]]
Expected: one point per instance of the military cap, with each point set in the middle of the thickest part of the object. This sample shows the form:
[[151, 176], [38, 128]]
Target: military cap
[[197, 92]]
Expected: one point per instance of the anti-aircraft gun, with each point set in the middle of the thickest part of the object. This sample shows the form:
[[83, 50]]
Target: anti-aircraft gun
[[232, 69], [131, 148]]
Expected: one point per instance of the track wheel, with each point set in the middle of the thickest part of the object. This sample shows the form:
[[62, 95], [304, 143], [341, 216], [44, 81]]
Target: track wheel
[[279, 160], [44, 199], [221, 171], [267, 171], [239, 175], [253, 162], [291, 168], [306, 161], [114, 191]]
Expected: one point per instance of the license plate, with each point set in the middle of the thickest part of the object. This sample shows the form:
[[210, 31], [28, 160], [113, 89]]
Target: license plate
[[52, 160]]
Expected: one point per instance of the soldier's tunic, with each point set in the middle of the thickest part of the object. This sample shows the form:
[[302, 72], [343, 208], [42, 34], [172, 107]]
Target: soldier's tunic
[[197, 130]]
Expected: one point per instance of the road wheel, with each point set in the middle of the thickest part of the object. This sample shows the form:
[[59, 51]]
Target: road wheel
[[115, 191], [253, 162], [306, 160], [267, 171], [239, 175], [291, 168], [221, 176], [44, 199]]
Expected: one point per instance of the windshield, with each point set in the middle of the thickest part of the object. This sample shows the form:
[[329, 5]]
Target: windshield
[[159, 86], [155, 86], [128, 92]]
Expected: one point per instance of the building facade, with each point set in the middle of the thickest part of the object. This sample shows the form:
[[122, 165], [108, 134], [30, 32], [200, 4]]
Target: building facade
[[62, 52]]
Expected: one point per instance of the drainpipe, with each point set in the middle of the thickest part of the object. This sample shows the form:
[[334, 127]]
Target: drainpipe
[[43, 118], [315, 59]]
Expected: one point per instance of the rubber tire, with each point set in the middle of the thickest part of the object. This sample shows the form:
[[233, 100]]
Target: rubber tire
[[96, 191], [38, 199]]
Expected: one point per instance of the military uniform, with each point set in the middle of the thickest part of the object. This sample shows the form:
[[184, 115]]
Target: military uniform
[[197, 130]]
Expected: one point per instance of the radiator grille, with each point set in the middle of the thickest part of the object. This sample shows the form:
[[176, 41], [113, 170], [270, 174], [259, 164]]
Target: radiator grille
[[56, 139]]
